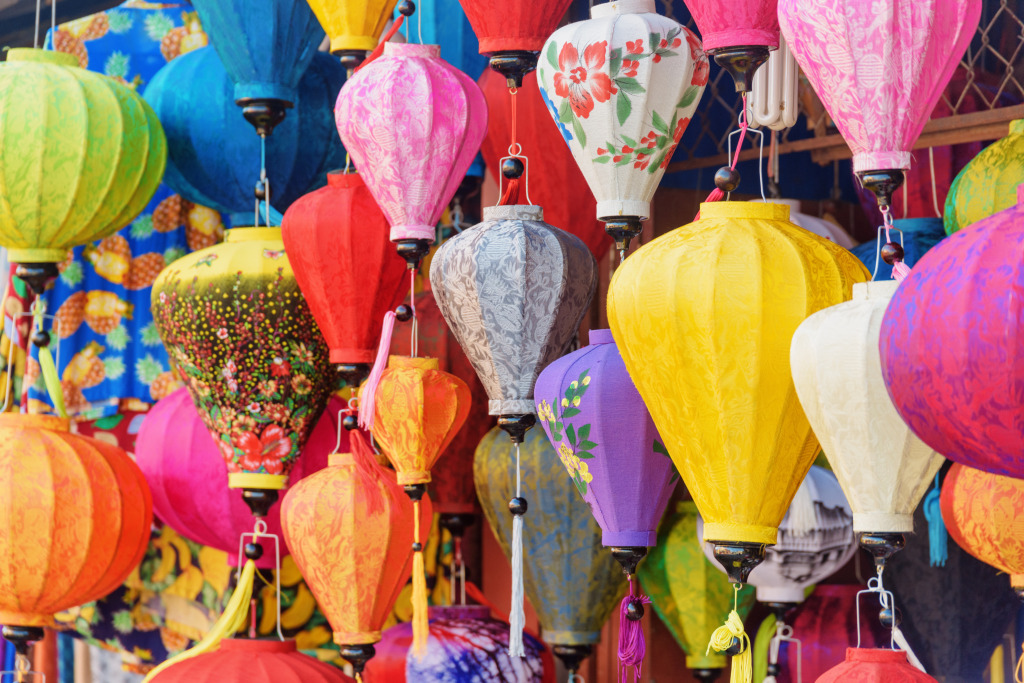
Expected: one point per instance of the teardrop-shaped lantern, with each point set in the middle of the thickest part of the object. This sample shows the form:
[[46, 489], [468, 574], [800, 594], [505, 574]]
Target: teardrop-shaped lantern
[[413, 125], [988, 183], [248, 660], [703, 317], [82, 157], [884, 469], [337, 241], [879, 71], [566, 557], [350, 530], [952, 354], [241, 335], [265, 46], [981, 511], [354, 26], [739, 35], [623, 86], [512, 33], [688, 591], [864, 665]]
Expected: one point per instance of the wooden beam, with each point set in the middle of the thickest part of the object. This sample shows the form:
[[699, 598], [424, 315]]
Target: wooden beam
[[990, 124]]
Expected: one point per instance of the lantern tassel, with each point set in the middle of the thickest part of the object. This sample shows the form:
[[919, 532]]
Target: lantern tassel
[[379, 50], [420, 622], [722, 640], [632, 646], [938, 538], [517, 616], [368, 394], [717, 194], [802, 515], [230, 621]]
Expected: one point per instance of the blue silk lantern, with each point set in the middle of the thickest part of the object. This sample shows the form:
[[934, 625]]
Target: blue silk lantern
[[919, 235], [265, 45], [214, 160]]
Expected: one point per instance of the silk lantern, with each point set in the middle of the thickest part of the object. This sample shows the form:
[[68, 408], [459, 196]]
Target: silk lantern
[[864, 665], [815, 541], [189, 480], [462, 638], [988, 183], [980, 511], [627, 81], [413, 125], [350, 530], [76, 524], [337, 239], [266, 46], [243, 339], [819, 226], [558, 176], [214, 162], [564, 540], [951, 357], [739, 35], [354, 26], [879, 71], [248, 660], [703, 317], [884, 469], [687, 591], [83, 155]]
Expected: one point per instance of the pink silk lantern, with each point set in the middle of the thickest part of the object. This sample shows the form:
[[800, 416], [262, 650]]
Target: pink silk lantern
[[413, 124], [879, 67], [738, 34], [189, 479]]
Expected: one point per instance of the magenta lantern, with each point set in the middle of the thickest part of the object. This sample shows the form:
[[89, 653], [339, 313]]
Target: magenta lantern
[[952, 345], [863, 665], [738, 34]]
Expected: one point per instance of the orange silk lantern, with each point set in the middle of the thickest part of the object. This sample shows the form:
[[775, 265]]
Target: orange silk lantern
[[418, 409], [350, 530], [982, 513], [76, 521]]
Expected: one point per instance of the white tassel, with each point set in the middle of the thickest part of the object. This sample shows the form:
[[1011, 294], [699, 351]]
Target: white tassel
[[517, 612], [802, 516], [901, 643], [769, 679]]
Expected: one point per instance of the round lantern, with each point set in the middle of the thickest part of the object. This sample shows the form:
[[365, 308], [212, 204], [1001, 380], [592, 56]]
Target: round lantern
[[214, 161], [626, 82], [244, 660], [337, 241], [739, 35], [988, 183], [82, 157], [350, 530], [76, 522], [241, 335], [189, 481], [563, 541], [439, 115], [461, 638], [266, 46], [884, 469], [354, 26], [687, 592], [879, 74], [815, 541], [865, 665], [703, 317], [980, 511], [819, 226], [952, 357]]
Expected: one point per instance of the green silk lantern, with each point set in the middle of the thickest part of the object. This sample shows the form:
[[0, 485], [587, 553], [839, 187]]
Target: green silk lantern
[[80, 156], [988, 184], [688, 593]]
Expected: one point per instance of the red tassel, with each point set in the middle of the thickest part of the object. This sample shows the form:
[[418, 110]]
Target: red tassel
[[379, 50]]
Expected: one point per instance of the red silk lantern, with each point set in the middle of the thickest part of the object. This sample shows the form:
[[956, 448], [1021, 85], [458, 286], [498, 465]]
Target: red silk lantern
[[982, 512], [865, 665], [337, 243], [189, 479], [555, 174], [244, 660], [76, 520]]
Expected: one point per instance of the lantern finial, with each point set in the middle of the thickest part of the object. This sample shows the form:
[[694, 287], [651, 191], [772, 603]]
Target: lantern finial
[[882, 184], [882, 545], [357, 655], [741, 62], [264, 113], [572, 655], [739, 558]]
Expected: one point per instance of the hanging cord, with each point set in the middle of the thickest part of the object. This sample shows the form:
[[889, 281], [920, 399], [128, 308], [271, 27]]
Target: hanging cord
[[938, 538], [632, 646], [414, 342], [900, 270], [935, 192], [368, 394], [420, 620], [717, 194], [51, 377], [515, 150], [379, 50], [1018, 670], [517, 617], [783, 633], [723, 639]]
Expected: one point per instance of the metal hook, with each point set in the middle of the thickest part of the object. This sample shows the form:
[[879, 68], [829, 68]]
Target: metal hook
[[878, 244], [260, 531], [885, 599], [760, 155], [526, 170]]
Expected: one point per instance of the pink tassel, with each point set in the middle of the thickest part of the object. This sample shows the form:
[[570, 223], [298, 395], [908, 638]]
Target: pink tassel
[[368, 394], [900, 271], [632, 647]]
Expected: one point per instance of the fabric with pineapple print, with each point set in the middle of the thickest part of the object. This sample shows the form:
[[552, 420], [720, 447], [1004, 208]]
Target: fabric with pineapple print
[[109, 347]]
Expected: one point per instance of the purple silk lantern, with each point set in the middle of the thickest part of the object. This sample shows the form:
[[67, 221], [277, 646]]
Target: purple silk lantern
[[605, 437], [952, 346]]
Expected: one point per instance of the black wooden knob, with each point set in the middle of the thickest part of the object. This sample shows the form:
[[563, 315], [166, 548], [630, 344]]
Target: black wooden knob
[[635, 610], [350, 422], [773, 669], [727, 179], [517, 506], [253, 551], [889, 617], [41, 338], [735, 648], [891, 252], [261, 190], [403, 313], [512, 168], [406, 8], [417, 547]]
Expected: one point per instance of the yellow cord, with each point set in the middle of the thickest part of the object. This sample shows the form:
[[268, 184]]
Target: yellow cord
[[1018, 671], [420, 623], [721, 640], [234, 617], [49, 368]]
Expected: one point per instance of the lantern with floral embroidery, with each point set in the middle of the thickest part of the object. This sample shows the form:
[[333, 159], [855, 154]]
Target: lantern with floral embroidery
[[625, 84], [242, 337]]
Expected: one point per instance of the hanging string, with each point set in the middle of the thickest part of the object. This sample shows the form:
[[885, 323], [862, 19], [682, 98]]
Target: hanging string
[[517, 618], [1018, 670], [379, 50], [39, 10], [414, 343], [717, 194], [368, 394], [512, 190], [900, 270], [935, 192], [722, 639], [420, 623], [632, 646]]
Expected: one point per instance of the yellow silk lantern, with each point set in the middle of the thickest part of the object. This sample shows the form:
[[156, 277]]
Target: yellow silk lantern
[[703, 317], [354, 26]]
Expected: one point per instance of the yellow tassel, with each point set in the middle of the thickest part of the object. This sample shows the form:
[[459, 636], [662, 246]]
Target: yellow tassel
[[233, 618], [52, 381], [420, 625], [721, 640], [1018, 671]]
